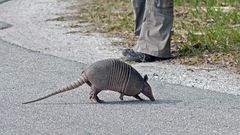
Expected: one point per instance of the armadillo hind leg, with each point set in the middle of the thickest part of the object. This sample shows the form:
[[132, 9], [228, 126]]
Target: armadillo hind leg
[[93, 95], [138, 97]]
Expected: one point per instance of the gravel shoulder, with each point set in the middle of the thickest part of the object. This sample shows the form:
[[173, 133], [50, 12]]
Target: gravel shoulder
[[31, 30]]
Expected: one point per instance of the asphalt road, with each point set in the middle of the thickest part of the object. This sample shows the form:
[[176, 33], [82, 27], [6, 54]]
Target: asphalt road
[[26, 75]]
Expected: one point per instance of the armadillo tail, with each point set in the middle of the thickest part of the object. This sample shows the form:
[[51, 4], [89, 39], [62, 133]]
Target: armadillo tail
[[71, 86]]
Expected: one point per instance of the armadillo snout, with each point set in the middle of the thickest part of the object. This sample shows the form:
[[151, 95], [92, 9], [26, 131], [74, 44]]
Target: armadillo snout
[[149, 95], [152, 99]]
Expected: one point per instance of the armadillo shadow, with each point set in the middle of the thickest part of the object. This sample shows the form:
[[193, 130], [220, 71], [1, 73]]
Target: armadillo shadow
[[158, 101], [126, 102]]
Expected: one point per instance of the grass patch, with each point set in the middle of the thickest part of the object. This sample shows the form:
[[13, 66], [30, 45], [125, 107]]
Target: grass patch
[[213, 29], [208, 28], [112, 17]]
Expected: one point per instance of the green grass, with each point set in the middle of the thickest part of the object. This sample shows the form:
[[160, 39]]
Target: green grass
[[209, 26], [112, 17], [201, 27]]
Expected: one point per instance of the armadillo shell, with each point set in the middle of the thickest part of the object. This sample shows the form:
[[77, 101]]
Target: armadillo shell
[[112, 74]]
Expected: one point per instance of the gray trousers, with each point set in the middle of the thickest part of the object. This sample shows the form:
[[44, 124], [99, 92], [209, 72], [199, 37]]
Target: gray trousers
[[153, 24]]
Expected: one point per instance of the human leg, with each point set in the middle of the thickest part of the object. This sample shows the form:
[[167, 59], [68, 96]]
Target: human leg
[[155, 35]]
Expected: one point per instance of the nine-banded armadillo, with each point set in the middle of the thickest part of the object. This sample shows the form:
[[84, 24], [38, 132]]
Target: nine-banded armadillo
[[110, 74]]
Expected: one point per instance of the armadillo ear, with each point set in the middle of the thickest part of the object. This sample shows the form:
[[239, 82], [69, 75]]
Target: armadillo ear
[[145, 78]]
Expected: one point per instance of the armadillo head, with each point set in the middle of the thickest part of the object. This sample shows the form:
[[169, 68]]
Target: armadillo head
[[147, 90]]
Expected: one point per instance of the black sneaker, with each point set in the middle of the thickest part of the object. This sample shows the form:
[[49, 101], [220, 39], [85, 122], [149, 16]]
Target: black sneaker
[[131, 55]]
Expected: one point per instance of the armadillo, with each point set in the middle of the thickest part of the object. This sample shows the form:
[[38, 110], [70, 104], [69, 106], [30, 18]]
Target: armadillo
[[109, 74]]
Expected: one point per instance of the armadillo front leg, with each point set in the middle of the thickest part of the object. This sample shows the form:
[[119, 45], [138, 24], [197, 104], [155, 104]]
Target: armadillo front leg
[[138, 97], [121, 96], [93, 95]]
